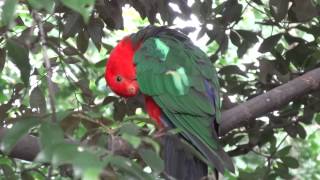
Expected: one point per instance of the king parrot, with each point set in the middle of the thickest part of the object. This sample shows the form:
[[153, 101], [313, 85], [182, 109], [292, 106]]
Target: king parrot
[[179, 84]]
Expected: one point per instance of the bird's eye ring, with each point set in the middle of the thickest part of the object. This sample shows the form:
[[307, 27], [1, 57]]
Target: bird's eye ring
[[118, 78]]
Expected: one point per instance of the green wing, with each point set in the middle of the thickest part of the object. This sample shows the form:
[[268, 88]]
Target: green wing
[[179, 76]]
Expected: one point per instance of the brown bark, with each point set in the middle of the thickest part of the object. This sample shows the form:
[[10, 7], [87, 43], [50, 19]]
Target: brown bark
[[269, 101], [28, 147]]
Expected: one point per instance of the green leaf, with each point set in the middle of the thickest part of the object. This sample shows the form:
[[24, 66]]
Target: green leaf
[[48, 5], [301, 131], [108, 47], [279, 9], [317, 118], [135, 141], [84, 162], [249, 38], [260, 171], [95, 31], [112, 17], [82, 41], [128, 166], [129, 128], [84, 7], [72, 25], [88, 163], [235, 140], [26, 175], [20, 57], [153, 143], [65, 154], [152, 159], [232, 69], [100, 64], [37, 100], [70, 51], [272, 176], [61, 115], [284, 151], [37, 174], [259, 2], [235, 38], [50, 135], [2, 59], [232, 11], [304, 10], [55, 149], [8, 11], [290, 162], [243, 175], [19, 129], [47, 26], [91, 174], [7, 161], [269, 43], [7, 172], [283, 171], [301, 51]]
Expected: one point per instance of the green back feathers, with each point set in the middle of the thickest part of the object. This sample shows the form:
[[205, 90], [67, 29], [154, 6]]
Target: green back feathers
[[168, 68], [175, 74]]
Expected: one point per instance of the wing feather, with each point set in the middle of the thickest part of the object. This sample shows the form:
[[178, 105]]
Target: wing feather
[[181, 80]]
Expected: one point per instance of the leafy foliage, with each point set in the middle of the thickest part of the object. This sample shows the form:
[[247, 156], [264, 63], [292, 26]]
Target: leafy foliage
[[89, 132]]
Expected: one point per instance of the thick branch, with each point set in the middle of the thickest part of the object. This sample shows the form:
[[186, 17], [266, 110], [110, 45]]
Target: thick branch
[[28, 147], [273, 99]]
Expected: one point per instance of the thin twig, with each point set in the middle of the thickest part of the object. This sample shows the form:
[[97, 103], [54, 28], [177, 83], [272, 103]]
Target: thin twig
[[284, 138], [259, 153], [47, 64], [50, 171], [257, 9], [57, 51], [236, 22]]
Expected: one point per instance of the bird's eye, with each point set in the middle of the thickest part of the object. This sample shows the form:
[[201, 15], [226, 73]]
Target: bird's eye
[[118, 78]]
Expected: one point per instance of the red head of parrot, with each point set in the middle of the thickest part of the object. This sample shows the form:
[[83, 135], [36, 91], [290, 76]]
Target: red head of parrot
[[120, 72]]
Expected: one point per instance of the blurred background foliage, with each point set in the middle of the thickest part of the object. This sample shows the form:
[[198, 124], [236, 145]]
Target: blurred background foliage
[[256, 45]]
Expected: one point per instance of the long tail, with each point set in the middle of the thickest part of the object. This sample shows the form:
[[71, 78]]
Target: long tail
[[180, 163]]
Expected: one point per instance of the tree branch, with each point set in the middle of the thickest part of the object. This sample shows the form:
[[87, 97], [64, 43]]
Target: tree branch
[[28, 147], [245, 112], [47, 65]]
